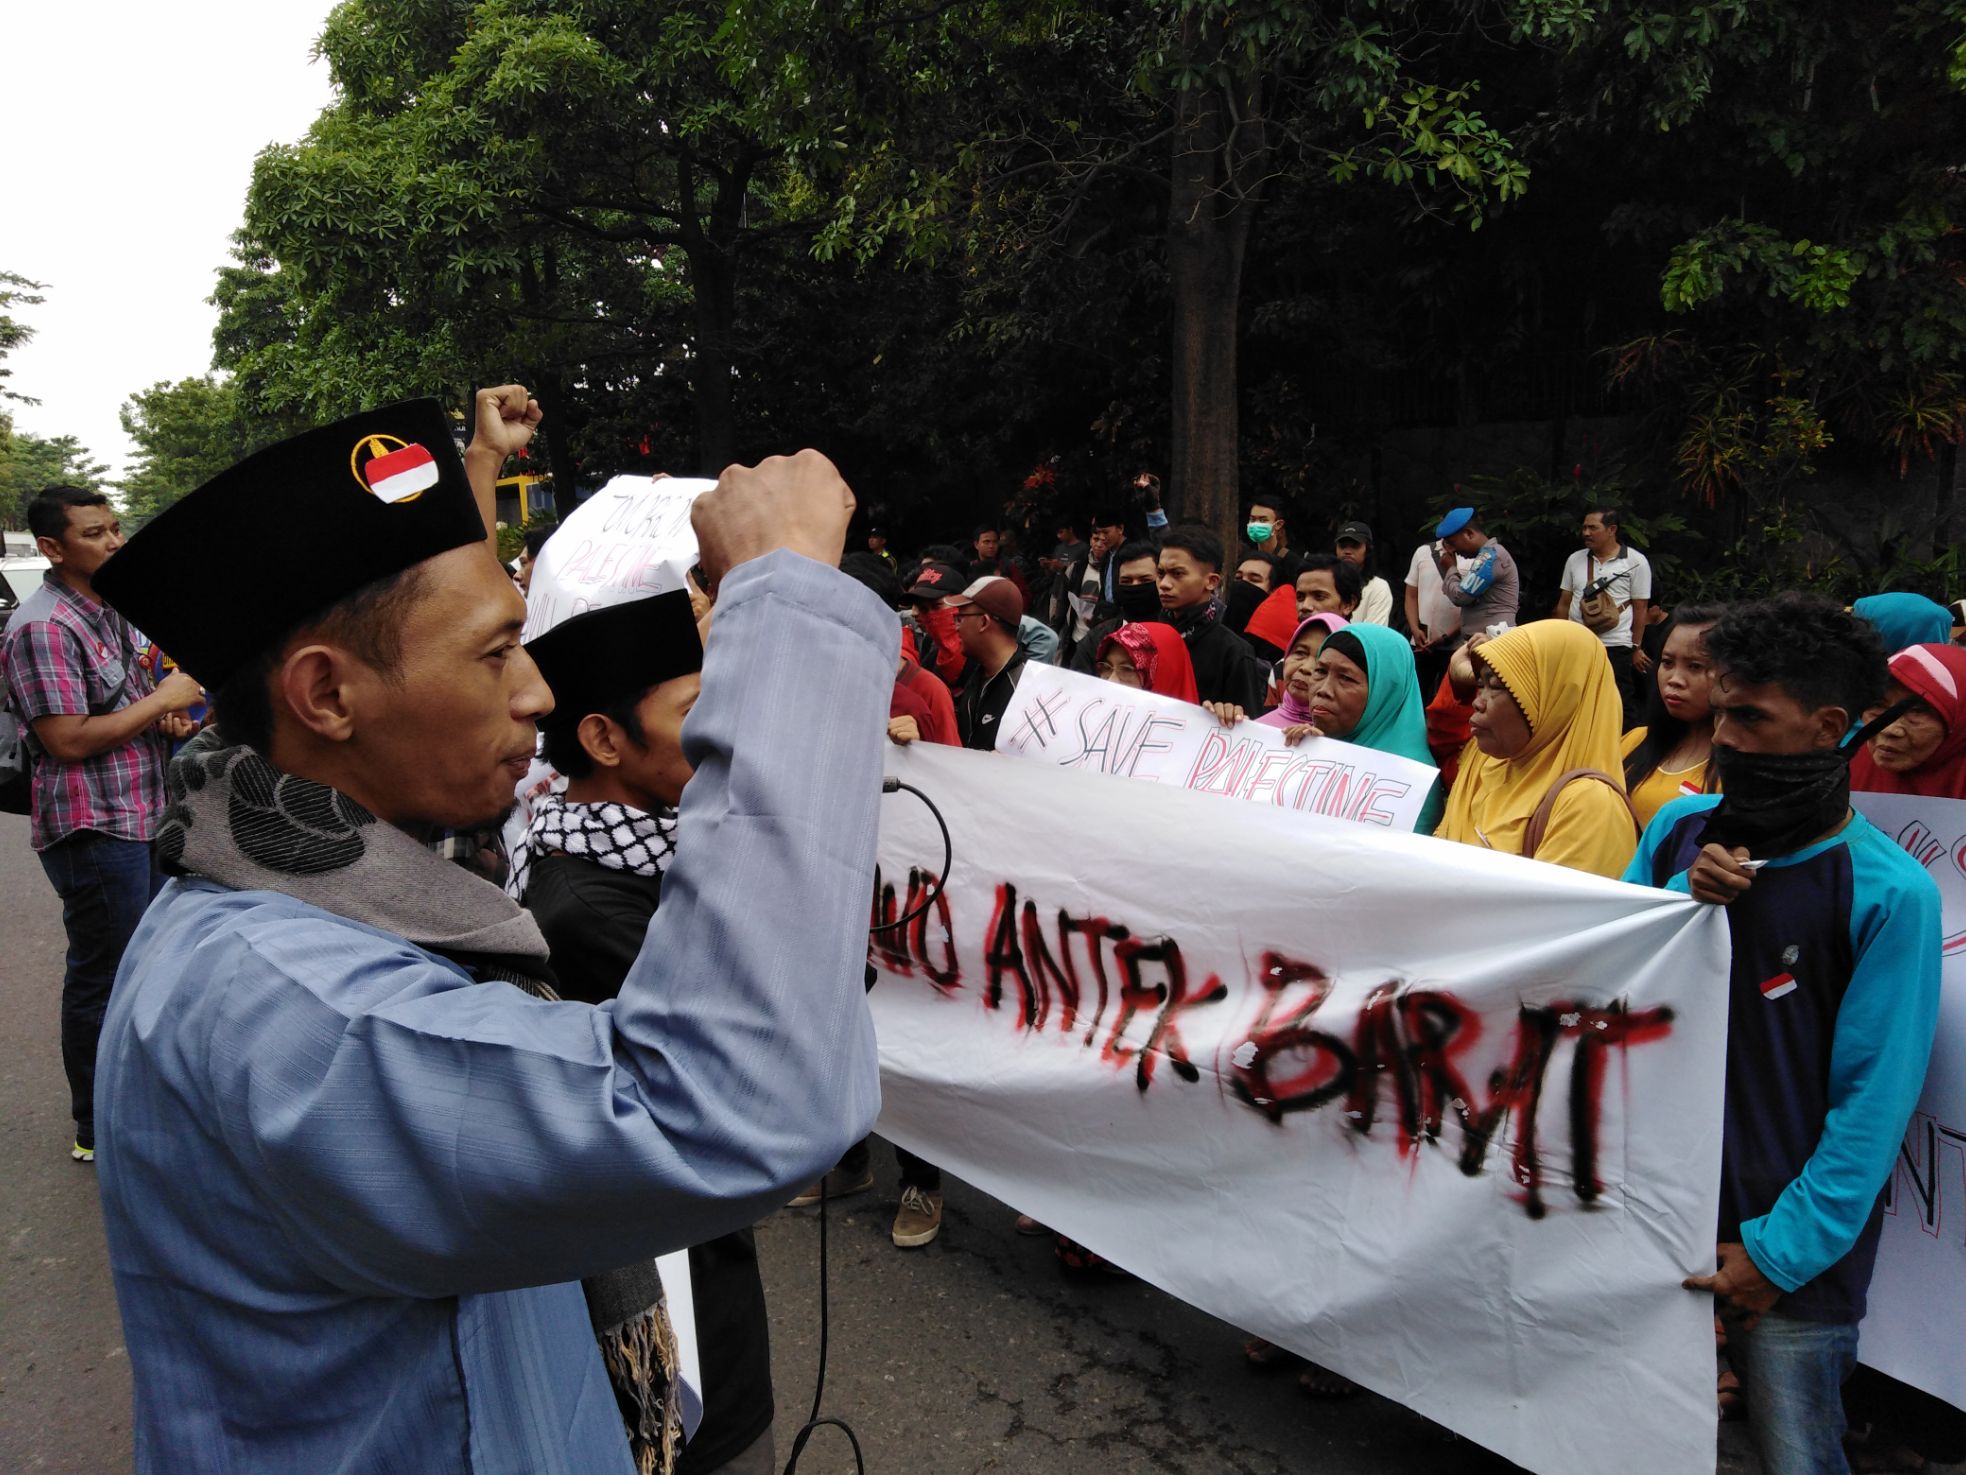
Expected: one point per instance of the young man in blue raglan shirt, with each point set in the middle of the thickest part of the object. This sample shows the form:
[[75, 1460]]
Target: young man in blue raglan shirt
[[1834, 994]]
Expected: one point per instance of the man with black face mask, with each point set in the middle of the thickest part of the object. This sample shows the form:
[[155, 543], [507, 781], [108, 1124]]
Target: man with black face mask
[[1834, 993], [1136, 594]]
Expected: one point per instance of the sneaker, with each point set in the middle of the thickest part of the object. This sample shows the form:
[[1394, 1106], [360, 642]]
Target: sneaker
[[838, 1184], [919, 1219], [82, 1154]]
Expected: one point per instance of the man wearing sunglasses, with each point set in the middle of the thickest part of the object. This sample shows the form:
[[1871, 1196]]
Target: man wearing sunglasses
[[987, 614]]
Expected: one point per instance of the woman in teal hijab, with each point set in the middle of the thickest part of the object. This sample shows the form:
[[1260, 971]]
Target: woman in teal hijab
[[1905, 620], [1367, 692]]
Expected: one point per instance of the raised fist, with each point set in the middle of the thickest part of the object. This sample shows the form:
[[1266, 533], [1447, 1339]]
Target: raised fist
[[797, 502]]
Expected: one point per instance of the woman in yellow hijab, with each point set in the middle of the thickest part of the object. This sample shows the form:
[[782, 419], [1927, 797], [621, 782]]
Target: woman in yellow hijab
[[1546, 706]]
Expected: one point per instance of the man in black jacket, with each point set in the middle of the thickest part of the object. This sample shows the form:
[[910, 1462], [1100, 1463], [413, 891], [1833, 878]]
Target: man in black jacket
[[1137, 585], [1226, 669], [590, 871], [987, 615]]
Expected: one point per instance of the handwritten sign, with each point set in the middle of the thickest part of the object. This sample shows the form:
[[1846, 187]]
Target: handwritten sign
[[1443, 1120], [1072, 720], [1918, 1290], [629, 540]]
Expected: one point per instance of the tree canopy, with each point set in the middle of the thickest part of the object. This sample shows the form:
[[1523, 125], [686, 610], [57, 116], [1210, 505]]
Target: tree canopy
[[1242, 243]]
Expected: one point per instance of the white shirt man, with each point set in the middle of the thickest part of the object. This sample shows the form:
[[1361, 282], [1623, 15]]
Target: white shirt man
[[1431, 617], [1624, 572], [1607, 562]]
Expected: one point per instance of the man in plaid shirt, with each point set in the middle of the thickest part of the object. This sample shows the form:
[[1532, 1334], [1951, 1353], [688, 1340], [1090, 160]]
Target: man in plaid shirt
[[99, 733]]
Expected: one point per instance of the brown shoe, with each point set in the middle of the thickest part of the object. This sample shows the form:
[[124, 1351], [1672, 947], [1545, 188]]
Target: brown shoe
[[838, 1184], [919, 1218]]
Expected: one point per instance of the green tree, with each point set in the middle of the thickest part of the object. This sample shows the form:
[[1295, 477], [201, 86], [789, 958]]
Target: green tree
[[1816, 309], [185, 434], [15, 290], [31, 462], [1044, 130], [503, 186]]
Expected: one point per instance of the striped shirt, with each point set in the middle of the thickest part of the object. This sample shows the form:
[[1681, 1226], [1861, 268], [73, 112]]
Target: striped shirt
[[67, 656]]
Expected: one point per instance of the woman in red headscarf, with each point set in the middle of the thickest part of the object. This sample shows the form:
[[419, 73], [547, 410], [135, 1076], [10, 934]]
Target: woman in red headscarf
[[1924, 751], [1150, 656]]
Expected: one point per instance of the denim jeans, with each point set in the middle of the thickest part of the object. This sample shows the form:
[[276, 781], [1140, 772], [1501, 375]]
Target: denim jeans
[[104, 884], [1792, 1374]]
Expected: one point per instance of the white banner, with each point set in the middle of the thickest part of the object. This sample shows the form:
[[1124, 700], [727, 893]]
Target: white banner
[[1917, 1318], [1443, 1120], [630, 539], [1072, 720]]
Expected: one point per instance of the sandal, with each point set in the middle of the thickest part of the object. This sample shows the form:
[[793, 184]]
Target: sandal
[[1326, 1386], [1265, 1356]]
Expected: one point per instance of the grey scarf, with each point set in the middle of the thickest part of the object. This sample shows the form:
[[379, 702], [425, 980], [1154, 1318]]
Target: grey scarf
[[235, 819]]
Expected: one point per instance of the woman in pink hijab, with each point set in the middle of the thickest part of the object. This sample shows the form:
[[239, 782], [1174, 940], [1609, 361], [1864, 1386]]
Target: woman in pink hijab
[[1299, 667]]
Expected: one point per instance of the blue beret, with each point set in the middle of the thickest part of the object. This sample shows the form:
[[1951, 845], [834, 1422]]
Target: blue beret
[[1451, 524]]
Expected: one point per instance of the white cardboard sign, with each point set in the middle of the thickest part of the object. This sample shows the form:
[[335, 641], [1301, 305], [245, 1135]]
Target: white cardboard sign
[[1071, 720], [629, 540]]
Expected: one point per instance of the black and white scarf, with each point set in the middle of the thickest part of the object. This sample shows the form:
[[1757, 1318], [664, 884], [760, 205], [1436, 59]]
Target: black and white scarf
[[611, 835], [235, 819]]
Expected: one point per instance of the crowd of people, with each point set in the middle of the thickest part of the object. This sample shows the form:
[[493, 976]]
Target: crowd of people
[[332, 1170]]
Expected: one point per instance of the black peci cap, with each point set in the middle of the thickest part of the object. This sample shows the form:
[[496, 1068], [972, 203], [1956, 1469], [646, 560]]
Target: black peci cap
[[594, 660], [291, 531]]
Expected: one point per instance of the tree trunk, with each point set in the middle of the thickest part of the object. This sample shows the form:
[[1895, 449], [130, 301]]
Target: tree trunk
[[711, 248], [1210, 210], [713, 283], [562, 419]]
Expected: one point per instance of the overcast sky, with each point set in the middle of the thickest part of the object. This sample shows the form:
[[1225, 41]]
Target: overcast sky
[[131, 131]]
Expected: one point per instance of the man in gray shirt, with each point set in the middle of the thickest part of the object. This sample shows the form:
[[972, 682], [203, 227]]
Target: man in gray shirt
[[1488, 592]]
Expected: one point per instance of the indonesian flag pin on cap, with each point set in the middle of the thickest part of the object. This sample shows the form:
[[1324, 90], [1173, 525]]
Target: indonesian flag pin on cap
[[401, 475]]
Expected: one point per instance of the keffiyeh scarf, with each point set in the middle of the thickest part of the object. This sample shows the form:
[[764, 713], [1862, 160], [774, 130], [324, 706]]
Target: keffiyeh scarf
[[610, 835]]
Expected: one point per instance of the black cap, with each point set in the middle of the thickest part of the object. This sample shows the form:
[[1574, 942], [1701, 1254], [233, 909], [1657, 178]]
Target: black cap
[[605, 656], [936, 580], [1354, 532], [290, 531]]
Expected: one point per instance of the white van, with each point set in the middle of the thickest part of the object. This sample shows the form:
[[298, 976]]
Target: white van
[[21, 568]]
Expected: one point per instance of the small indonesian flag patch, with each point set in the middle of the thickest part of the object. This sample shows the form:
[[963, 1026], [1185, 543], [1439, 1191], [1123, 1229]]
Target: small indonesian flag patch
[[401, 475], [1779, 986]]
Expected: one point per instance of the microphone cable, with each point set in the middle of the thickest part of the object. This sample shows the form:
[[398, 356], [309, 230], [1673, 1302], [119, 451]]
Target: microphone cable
[[814, 1421], [896, 786]]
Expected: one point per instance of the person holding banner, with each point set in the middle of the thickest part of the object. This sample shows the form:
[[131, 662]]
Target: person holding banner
[[1923, 750], [1540, 774], [1367, 692], [1833, 1002], [1300, 656]]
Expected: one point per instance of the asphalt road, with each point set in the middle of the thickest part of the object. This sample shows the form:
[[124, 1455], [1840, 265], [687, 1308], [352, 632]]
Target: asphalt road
[[972, 1354]]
